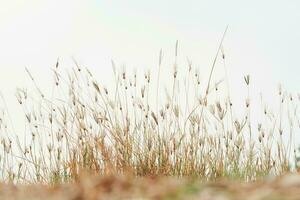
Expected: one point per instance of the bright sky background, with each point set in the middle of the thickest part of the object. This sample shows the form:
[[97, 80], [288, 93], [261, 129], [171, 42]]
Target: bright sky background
[[263, 38]]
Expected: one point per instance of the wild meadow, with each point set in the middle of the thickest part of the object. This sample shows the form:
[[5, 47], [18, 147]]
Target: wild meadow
[[145, 124]]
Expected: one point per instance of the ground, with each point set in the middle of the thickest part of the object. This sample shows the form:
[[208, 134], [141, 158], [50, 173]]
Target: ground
[[126, 187]]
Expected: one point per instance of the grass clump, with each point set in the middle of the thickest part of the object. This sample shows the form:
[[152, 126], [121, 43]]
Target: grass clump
[[134, 127]]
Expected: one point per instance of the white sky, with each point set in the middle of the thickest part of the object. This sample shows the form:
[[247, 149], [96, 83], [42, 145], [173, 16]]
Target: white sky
[[262, 40]]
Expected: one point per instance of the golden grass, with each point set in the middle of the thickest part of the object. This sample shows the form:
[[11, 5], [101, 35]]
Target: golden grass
[[133, 127]]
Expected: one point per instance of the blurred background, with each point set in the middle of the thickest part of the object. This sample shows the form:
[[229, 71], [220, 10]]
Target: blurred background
[[262, 40]]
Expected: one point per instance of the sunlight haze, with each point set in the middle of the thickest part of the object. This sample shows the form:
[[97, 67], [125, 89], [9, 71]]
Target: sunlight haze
[[263, 39]]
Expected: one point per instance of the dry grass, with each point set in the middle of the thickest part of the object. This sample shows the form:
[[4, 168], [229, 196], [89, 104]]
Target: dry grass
[[134, 127]]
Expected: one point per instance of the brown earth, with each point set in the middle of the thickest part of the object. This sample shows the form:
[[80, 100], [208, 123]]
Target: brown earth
[[126, 187]]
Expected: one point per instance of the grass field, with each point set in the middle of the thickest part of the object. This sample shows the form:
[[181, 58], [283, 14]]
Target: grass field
[[177, 137]]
